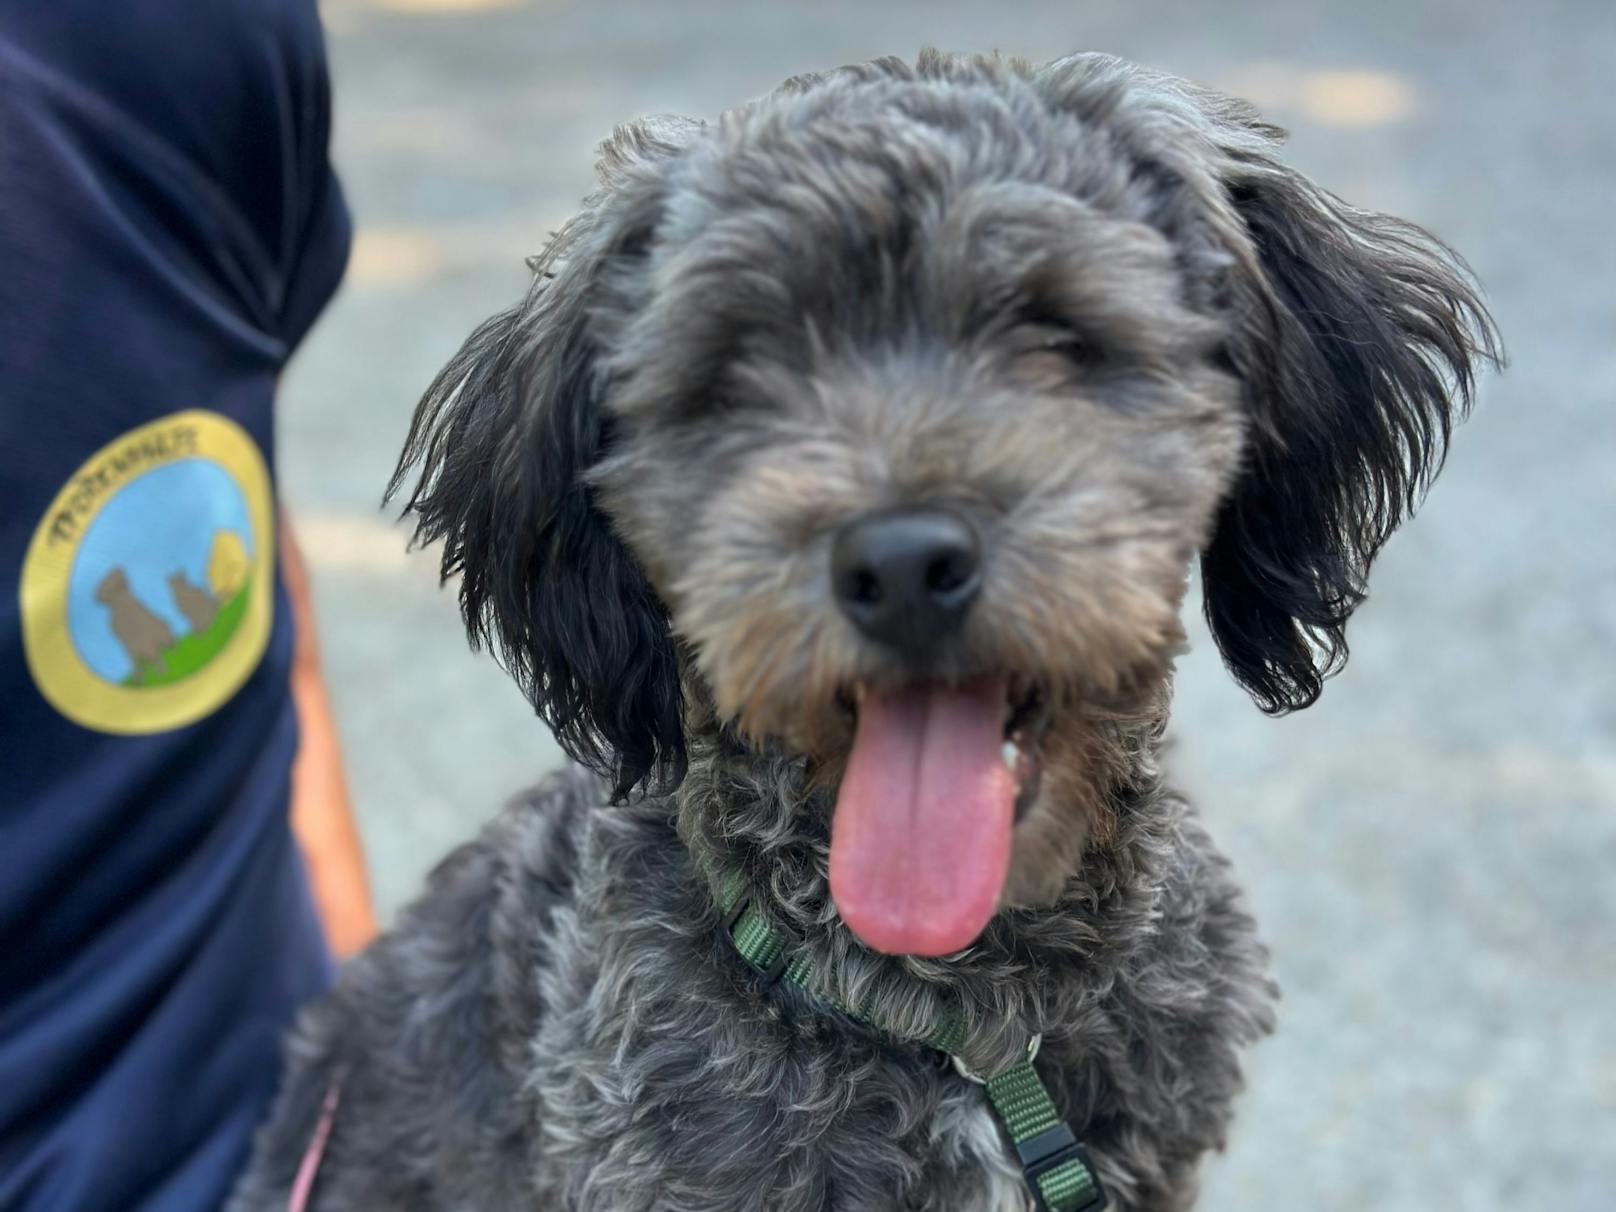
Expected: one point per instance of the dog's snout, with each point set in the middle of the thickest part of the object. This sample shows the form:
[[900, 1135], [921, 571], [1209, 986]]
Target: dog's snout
[[906, 577]]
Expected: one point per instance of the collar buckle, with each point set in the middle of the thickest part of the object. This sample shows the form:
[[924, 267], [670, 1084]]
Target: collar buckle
[[1049, 1151]]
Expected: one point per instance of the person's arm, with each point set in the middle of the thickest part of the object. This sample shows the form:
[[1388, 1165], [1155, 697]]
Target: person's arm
[[322, 819]]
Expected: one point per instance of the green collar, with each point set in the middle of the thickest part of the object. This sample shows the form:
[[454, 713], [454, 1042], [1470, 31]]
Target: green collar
[[1058, 1170]]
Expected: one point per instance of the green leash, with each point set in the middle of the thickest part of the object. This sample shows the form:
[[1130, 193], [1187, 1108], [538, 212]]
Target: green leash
[[1058, 1171]]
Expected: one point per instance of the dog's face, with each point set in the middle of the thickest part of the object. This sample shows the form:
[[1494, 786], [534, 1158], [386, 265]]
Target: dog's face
[[956, 441], [895, 410]]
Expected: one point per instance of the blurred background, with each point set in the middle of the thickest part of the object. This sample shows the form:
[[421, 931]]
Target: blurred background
[[1432, 848]]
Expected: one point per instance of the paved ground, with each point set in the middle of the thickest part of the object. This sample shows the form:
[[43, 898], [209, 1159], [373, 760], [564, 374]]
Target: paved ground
[[1432, 847]]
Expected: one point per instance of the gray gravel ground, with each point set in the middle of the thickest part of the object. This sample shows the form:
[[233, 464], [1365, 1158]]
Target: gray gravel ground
[[1431, 847]]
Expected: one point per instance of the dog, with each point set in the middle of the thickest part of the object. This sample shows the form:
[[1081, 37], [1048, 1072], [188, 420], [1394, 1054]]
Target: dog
[[197, 605], [144, 637], [832, 495]]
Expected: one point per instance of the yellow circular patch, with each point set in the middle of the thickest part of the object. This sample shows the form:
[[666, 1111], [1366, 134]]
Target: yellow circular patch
[[148, 589]]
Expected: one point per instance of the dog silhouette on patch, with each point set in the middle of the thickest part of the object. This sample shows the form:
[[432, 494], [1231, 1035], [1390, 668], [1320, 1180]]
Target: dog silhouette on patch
[[144, 636], [197, 605]]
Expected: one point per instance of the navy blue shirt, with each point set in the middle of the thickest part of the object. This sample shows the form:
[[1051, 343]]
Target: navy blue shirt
[[169, 228]]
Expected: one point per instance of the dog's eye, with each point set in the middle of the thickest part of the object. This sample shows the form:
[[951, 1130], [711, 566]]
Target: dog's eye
[[1069, 345], [1053, 346]]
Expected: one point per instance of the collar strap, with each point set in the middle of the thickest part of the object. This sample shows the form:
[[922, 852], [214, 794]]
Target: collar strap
[[1058, 1170]]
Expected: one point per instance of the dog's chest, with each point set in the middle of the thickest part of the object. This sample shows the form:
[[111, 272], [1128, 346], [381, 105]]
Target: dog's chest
[[965, 1133], [814, 1141]]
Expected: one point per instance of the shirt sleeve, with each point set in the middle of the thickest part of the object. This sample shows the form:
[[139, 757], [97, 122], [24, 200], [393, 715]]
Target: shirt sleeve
[[219, 112]]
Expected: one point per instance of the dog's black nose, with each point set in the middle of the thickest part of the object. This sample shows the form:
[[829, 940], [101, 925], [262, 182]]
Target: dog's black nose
[[906, 576]]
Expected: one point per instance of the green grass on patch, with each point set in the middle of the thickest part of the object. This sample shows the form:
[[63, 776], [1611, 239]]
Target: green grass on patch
[[191, 652]]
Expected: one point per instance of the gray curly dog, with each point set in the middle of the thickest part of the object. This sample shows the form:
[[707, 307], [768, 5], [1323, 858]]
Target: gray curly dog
[[833, 495]]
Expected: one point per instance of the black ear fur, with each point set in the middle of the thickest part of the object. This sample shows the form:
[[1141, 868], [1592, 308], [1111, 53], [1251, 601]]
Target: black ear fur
[[503, 440], [1356, 335], [1358, 340]]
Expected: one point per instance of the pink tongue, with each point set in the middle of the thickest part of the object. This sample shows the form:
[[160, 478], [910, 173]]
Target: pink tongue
[[921, 839]]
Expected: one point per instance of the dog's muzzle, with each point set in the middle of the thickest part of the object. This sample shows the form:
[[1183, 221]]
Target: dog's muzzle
[[906, 577]]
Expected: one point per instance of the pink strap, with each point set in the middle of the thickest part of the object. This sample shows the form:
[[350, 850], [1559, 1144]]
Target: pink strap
[[303, 1184]]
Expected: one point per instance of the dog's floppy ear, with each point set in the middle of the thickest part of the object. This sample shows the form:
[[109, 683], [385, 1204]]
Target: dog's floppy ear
[[1357, 336], [503, 441]]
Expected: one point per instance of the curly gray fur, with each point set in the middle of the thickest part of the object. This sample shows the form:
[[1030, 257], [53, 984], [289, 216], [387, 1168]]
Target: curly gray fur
[[1087, 306], [557, 1024]]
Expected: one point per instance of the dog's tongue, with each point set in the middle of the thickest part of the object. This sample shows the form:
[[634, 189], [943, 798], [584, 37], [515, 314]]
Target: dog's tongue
[[921, 839]]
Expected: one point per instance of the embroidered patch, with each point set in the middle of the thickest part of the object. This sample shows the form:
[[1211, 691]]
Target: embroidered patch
[[148, 589]]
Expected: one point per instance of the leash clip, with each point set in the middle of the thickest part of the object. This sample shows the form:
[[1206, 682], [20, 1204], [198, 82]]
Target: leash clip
[[1042, 1154]]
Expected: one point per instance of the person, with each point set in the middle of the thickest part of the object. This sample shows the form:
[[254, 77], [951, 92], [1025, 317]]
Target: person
[[170, 227]]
